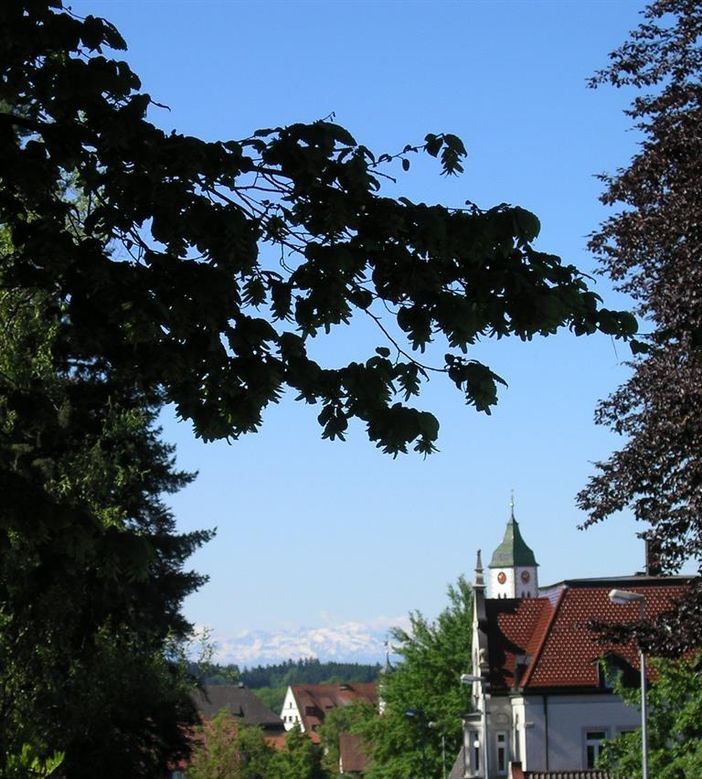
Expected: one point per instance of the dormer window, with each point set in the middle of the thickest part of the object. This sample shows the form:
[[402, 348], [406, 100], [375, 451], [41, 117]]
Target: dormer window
[[612, 668]]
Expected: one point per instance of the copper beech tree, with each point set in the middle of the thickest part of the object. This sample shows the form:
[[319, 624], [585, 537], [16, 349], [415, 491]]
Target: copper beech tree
[[651, 247]]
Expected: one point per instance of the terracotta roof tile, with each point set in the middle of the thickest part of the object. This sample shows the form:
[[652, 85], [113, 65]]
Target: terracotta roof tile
[[513, 625], [315, 700], [352, 758], [545, 642]]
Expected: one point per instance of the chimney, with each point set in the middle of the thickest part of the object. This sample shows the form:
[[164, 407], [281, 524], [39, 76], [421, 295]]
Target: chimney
[[653, 561]]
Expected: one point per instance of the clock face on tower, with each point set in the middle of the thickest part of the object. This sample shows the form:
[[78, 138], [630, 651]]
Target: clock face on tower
[[501, 577], [525, 576]]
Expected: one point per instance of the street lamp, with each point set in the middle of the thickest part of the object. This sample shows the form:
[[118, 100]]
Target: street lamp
[[471, 679], [624, 598], [419, 715], [434, 726]]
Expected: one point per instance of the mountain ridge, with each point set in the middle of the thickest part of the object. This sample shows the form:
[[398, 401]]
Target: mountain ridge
[[352, 642]]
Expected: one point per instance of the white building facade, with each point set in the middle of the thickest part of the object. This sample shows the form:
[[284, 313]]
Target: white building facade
[[290, 713], [541, 683]]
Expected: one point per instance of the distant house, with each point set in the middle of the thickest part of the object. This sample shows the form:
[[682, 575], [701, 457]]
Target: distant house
[[352, 758], [245, 709], [306, 705], [550, 703], [241, 703]]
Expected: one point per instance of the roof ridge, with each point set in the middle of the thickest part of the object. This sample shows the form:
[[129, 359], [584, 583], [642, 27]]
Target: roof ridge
[[542, 642]]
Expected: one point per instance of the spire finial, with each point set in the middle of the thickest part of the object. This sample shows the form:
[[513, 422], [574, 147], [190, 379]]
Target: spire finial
[[387, 668], [479, 580], [511, 504]]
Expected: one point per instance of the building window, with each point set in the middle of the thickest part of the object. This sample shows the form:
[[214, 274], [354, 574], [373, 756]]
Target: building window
[[593, 746], [501, 752]]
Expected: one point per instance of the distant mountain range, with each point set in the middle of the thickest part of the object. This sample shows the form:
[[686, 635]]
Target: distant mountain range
[[353, 642]]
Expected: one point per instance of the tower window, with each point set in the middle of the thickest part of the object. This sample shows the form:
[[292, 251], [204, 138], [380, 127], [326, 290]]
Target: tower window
[[501, 753]]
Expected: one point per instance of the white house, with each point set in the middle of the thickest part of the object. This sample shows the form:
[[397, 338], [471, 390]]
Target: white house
[[306, 705], [541, 682]]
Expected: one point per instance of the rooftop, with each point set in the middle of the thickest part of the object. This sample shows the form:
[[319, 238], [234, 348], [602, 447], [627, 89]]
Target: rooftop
[[352, 758], [315, 700], [240, 702], [545, 642]]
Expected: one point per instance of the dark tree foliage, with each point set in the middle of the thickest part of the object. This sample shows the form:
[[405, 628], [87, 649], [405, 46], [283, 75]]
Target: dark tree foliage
[[205, 268], [651, 249], [91, 569], [308, 670]]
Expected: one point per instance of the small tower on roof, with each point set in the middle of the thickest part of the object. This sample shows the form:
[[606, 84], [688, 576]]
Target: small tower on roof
[[385, 672], [513, 568]]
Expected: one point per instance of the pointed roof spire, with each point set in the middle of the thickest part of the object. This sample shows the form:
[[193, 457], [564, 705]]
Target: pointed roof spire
[[388, 668], [513, 551], [479, 580]]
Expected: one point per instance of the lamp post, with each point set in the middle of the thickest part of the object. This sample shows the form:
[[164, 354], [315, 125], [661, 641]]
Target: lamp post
[[623, 598], [470, 679], [434, 726], [419, 715]]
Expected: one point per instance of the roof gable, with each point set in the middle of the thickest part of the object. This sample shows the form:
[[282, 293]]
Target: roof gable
[[514, 626]]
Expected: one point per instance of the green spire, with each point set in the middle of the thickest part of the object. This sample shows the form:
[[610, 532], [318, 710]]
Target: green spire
[[513, 550]]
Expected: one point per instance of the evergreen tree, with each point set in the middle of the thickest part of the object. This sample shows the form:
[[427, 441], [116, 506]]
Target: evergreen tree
[[91, 569]]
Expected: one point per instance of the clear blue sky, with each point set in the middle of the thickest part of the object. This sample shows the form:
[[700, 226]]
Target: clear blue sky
[[311, 532]]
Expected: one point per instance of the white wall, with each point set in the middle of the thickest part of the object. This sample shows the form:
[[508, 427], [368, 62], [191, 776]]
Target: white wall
[[290, 714], [568, 717], [513, 586]]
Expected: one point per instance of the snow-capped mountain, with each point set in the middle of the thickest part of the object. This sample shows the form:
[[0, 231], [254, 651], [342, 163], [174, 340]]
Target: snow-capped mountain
[[344, 642]]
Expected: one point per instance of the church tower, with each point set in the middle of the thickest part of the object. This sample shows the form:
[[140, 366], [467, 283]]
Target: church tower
[[513, 568]]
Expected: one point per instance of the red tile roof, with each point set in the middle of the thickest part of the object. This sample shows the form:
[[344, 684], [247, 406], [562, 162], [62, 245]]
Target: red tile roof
[[545, 642], [352, 758], [315, 700]]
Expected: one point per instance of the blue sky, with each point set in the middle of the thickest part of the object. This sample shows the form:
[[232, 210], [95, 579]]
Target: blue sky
[[313, 533]]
